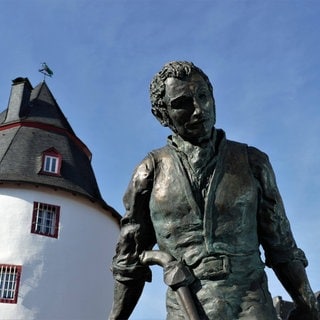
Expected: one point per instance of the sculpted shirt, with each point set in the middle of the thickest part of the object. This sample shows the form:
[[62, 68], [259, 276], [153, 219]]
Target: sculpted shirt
[[200, 202]]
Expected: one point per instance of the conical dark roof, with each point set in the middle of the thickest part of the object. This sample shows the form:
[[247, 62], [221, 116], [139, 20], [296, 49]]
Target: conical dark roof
[[45, 109], [32, 124]]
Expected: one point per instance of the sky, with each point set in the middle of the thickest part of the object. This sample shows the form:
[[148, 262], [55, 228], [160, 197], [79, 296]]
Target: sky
[[262, 58]]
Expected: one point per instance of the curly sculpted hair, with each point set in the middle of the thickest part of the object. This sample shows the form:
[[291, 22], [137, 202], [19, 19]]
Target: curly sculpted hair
[[175, 69]]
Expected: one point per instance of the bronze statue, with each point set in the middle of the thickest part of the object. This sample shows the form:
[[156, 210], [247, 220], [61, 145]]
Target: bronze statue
[[209, 203]]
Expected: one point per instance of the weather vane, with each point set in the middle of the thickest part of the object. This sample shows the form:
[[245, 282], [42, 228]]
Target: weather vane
[[45, 70]]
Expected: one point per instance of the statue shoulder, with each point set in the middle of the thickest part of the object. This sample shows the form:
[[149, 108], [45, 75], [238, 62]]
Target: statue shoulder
[[159, 154], [235, 148], [257, 156], [257, 159], [235, 144], [145, 169], [260, 165], [254, 154]]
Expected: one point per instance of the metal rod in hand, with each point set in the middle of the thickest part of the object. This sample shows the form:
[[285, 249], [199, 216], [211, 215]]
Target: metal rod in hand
[[167, 261]]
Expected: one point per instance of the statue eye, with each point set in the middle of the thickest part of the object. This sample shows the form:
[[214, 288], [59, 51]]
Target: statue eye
[[202, 96], [182, 103]]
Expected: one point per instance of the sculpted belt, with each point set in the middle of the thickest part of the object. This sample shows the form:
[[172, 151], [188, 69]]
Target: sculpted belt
[[219, 267], [212, 268]]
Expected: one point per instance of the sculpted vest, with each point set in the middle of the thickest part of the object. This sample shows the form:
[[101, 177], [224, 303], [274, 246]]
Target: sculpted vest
[[226, 226]]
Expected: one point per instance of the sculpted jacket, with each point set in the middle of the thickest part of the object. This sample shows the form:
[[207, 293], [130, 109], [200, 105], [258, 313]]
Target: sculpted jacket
[[226, 204]]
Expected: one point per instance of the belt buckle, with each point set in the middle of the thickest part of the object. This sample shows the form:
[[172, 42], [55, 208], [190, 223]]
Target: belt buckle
[[215, 268], [225, 264]]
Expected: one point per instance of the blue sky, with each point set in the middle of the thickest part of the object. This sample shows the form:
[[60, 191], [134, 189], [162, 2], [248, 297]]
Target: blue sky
[[261, 56]]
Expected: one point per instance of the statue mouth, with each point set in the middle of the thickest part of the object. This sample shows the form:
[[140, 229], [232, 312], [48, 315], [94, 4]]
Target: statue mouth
[[196, 124]]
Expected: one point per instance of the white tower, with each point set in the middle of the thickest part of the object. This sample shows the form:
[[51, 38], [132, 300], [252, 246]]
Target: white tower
[[57, 234]]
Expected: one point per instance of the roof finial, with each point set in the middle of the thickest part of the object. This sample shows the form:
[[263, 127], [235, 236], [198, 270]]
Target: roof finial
[[46, 71]]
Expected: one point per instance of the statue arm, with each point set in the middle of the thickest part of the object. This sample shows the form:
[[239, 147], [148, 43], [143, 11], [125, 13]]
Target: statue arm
[[136, 235], [126, 296], [293, 277], [281, 251], [129, 274]]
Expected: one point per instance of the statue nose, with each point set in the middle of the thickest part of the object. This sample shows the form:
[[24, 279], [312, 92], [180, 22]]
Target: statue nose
[[197, 108]]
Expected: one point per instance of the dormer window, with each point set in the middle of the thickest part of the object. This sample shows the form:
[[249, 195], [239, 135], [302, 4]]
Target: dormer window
[[51, 162]]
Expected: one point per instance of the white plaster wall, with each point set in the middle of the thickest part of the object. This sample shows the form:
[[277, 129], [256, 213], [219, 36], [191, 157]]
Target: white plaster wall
[[62, 279]]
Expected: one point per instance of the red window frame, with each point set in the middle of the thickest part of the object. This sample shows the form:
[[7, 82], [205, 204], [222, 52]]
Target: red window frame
[[51, 153], [45, 219], [9, 286]]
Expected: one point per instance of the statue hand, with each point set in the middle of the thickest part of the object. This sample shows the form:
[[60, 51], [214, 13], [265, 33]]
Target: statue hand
[[304, 314]]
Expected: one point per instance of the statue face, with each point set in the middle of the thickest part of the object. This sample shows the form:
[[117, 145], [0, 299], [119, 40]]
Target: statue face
[[190, 107]]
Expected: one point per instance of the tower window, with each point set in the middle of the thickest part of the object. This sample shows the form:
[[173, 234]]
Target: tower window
[[45, 219], [9, 283], [51, 162]]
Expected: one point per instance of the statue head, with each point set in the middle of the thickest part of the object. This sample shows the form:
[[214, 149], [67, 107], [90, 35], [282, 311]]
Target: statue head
[[181, 70]]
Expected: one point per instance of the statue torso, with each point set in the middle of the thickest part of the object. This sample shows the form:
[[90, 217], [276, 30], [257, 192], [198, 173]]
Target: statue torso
[[226, 222]]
